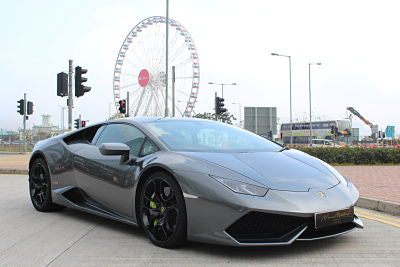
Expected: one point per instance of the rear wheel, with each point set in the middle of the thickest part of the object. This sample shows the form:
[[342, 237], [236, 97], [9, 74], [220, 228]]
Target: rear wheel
[[40, 187], [163, 211]]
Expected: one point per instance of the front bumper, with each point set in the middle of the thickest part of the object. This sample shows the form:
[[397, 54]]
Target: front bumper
[[266, 229], [217, 215], [257, 228]]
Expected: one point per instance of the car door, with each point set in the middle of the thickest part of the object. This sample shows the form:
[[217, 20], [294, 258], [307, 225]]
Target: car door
[[107, 181]]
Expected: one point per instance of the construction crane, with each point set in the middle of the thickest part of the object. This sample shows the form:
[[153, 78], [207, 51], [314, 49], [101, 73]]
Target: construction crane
[[356, 113]]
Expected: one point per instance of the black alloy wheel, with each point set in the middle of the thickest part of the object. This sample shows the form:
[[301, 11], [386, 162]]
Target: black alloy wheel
[[40, 187], [163, 211]]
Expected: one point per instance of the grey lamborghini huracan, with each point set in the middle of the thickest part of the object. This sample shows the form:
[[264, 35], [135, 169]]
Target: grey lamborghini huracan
[[191, 179]]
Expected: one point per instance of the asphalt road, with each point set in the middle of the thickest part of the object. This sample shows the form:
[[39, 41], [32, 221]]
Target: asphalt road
[[31, 238]]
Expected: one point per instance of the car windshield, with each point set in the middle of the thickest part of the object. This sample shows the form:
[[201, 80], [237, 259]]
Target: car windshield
[[208, 136]]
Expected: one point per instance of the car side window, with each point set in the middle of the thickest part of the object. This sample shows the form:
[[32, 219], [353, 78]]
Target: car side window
[[123, 133], [97, 135], [148, 148]]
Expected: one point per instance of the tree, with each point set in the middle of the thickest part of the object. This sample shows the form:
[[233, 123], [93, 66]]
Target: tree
[[225, 117], [116, 116]]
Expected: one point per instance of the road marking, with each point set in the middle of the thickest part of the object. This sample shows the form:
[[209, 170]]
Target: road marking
[[377, 215], [379, 220]]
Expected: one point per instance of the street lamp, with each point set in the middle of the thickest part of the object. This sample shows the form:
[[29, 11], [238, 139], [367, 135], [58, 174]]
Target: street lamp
[[62, 116], [309, 90], [166, 59], [222, 84], [290, 93], [240, 113]]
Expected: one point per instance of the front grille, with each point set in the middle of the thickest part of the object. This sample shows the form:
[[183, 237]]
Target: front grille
[[259, 227]]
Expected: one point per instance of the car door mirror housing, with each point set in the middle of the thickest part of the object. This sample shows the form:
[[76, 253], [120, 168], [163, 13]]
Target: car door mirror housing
[[112, 149], [115, 149]]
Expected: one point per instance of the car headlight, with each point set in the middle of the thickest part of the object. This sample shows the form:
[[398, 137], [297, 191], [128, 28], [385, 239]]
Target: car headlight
[[240, 187]]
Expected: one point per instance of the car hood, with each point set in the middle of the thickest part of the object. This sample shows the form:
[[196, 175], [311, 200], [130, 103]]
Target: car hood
[[289, 170]]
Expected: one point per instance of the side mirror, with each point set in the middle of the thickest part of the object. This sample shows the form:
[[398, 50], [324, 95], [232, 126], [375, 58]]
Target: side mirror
[[113, 149]]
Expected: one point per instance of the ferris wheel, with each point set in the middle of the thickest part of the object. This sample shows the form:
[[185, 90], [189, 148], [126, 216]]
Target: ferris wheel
[[140, 69]]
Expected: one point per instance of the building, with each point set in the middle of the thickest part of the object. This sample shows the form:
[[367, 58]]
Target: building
[[261, 120], [355, 135], [45, 130]]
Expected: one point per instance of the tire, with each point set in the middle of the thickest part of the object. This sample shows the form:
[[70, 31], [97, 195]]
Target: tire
[[40, 187], [162, 211]]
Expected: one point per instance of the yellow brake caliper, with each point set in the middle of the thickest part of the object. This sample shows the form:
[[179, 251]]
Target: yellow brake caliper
[[153, 206]]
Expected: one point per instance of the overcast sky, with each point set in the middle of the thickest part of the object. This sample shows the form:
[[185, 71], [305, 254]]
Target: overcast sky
[[357, 43]]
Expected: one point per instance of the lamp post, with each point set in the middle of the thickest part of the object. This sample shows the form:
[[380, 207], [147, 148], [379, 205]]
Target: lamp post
[[240, 113], [62, 117], [309, 94], [166, 60], [290, 94], [222, 85]]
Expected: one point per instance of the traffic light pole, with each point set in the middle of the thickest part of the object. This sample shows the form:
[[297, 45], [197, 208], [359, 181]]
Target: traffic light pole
[[215, 106], [24, 120], [70, 96], [127, 105], [173, 91]]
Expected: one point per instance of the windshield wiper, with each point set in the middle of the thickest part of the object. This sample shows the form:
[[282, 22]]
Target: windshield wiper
[[285, 148]]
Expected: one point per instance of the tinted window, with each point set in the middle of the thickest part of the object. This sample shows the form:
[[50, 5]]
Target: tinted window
[[122, 133], [97, 135], [83, 136], [193, 135], [148, 148]]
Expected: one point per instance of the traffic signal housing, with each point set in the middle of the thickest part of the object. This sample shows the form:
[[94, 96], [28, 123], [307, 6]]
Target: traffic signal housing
[[29, 107], [21, 107], [219, 105], [122, 106], [334, 130], [77, 123], [83, 124], [80, 89], [62, 84]]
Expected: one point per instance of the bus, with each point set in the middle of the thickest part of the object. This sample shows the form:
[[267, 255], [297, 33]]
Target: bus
[[320, 130]]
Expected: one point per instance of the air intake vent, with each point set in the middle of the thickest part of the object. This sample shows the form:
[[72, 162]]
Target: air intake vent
[[259, 227]]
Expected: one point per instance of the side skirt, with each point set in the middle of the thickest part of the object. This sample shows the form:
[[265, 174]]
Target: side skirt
[[76, 198]]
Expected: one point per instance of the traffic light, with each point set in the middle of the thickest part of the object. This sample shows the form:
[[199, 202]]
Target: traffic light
[[270, 135], [334, 130], [21, 107], [77, 123], [62, 84], [122, 106], [219, 105], [80, 89], [83, 124], [29, 107]]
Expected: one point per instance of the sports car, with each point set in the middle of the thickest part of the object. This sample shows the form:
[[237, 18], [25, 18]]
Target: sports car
[[192, 180]]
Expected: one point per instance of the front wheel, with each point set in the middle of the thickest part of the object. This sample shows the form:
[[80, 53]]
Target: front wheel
[[163, 211], [40, 187]]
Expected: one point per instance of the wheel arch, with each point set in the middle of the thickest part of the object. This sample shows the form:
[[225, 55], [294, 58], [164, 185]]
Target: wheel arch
[[35, 156]]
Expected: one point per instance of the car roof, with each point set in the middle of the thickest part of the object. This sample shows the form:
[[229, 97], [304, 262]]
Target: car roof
[[151, 119], [134, 120]]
